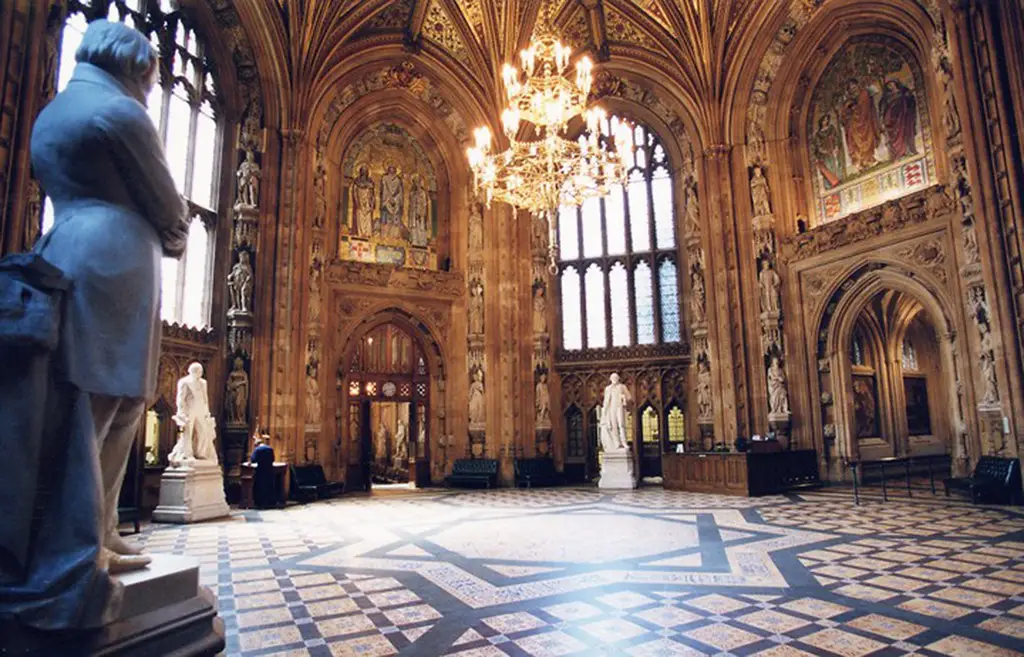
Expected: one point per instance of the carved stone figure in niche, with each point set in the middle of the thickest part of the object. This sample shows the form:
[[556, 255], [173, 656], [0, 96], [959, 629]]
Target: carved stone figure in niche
[[315, 294], [197, 429], [970, 242], [401, 457], [476, 308], [543, 402], [692, 211], [540, 230], [250, 136], [697, 296], [759, 193], [392, 200], [381, 443], [312, 398], [757, 150], [540, 312], [477, 413], [778, 396], [950, 113], [248, 182], [617, 399], [236, 395], [704, 407], [419, 213], [319, 193], [240, 285], [988, 366], [769, 281], [476, 228], [364, 203]]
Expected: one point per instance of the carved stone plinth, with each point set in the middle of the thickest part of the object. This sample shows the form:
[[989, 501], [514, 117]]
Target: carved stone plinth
[[779, 423], [477, 446], [617, 471], [164, 611], [240, 332], [543, 441], [993, 441], [246, 226], [191, 493]]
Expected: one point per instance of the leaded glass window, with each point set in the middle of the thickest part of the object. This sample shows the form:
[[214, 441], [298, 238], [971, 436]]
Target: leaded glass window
[[184, 107], [676, 425], [625, 246]]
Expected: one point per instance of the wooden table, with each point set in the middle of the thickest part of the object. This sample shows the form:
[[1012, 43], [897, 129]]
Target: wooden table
[[740, 473]]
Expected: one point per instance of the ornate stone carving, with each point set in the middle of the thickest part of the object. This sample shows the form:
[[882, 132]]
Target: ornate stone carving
[[705, 410], [929, 253], [760, 195], [240, 282], [698, 298], [769, 282], [477, 409], [441, 283], [248, 176], [236, 394], [778, 396], [910, 210], [319, 190]]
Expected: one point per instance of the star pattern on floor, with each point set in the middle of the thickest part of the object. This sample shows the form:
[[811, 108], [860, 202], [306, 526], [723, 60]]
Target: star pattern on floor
[[573, 571]]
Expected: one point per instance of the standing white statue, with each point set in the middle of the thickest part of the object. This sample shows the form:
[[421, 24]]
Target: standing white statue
[[613, 415], [759, 194], [197, 426], [240, 284], [248, 182]]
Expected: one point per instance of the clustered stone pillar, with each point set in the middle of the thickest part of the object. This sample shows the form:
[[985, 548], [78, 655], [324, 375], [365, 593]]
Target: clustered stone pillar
[[541, 365], [313, 404], [698, 313], [241, 286]]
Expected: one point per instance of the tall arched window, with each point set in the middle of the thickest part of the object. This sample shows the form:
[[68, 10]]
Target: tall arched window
[[184, 107], [618, 258]]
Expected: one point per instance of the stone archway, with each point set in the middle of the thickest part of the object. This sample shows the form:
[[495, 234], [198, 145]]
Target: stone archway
[[408, 369], [865, 385]]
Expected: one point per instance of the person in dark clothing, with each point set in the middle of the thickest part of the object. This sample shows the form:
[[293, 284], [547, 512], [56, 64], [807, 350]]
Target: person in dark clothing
[[264, 491]]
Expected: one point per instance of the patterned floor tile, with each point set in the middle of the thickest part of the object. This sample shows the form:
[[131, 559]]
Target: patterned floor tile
[[717, 604], [722, 636], [351, 624], [269, 638], [890, 628], [663, 648], [369, 646], [667, 616], [610, 631], [264, 617], [1007, 625], [511, 623], [573, 611], [783, 651], [960, 646], [550, 644], [773, 621], [842, 643], [816, 608], [625, 600]]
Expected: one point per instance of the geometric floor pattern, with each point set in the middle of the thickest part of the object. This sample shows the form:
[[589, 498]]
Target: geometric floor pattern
[[573, 571]]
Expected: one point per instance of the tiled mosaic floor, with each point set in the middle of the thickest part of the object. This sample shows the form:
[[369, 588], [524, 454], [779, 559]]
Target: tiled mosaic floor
[[650, 572]]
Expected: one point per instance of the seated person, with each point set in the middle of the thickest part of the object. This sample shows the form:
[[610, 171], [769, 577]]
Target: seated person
[[264, 488]]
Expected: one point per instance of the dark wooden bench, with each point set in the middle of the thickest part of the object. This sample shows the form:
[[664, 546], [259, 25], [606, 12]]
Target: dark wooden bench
[[536, 472], [995, 480], [468, 472], [309, 483]]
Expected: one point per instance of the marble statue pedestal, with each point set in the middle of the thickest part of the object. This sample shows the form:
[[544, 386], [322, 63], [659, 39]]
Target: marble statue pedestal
[[617, 471], [191, 493], [163, 611]]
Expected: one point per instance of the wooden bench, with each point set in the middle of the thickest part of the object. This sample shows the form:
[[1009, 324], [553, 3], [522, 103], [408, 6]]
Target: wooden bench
[[473, 472], [536, 472], [309, 483], [995, 480]]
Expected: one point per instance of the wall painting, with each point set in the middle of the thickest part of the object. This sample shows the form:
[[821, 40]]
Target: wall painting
[[865, 406], [389, 201], [868, 130]]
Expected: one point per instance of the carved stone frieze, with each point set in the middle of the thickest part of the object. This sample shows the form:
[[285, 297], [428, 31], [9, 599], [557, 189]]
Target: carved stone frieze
[[438, 283], [910, 210], [929, 253]]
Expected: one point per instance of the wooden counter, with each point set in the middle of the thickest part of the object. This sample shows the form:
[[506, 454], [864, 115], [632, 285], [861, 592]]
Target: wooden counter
[[740, 473]]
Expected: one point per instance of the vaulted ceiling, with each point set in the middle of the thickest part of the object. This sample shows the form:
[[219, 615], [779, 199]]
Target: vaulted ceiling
[[697, 44]]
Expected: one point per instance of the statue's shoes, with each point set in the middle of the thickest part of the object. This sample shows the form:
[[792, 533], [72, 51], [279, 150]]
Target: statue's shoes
[[123, 563], [117, 544]]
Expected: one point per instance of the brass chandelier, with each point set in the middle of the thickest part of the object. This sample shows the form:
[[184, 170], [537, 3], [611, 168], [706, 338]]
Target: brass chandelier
[[546, 170]]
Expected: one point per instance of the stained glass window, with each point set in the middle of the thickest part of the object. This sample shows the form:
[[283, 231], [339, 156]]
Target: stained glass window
[[649, 425], [676, 425], [625, 243], [574, 433], [184, 109]]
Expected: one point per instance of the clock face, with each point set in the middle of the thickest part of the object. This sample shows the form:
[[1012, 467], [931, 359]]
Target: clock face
[[388, 389]]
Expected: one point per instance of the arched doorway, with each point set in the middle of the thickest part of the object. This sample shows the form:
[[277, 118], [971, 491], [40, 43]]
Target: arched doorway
[[384, 390]]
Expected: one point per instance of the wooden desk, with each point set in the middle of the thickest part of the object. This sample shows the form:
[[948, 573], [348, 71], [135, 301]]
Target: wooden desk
[[280, 483], [740, 473]]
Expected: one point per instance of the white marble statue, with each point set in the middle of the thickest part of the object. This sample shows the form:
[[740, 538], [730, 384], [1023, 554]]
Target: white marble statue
[[617, 399], [197, 428], [778, 396]]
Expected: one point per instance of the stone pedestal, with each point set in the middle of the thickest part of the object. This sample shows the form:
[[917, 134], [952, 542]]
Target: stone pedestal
[[163, 611], [617, 471], [191, 493]]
